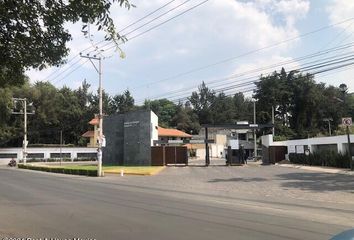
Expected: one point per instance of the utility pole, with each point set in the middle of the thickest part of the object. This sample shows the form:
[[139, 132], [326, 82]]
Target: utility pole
[[254, 130], [347, 122], [273, 129], [100, 115], [24, 112], [61, 144]]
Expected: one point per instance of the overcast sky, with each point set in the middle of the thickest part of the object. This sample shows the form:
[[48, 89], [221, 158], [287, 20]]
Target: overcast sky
[[218, 39]]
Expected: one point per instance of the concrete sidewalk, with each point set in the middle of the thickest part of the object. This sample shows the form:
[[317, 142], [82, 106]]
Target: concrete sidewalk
[[318, 169]]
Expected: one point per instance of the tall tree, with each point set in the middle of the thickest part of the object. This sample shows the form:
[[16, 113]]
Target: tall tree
[[123, 103], [201, 102], [223, 110], [32, 32], [185, 119], [164, 109]]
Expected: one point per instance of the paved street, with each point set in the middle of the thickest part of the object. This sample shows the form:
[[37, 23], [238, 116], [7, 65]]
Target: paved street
[[251, 202]]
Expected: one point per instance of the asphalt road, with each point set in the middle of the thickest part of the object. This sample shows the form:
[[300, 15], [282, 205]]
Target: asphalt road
[[35, 204]]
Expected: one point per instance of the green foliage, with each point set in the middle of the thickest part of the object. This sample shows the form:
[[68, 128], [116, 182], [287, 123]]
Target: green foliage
[[220, 109], [186, 120], [164, 109], [201, 102], [55, 109], [280, 138], [33, 34], [324, 158], [123, 103], [300, 104], [73, 171]]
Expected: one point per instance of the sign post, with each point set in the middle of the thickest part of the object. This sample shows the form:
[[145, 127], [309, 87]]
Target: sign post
[[348, 122]]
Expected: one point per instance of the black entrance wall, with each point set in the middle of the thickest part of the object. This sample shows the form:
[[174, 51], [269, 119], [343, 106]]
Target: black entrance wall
[[128, 138]]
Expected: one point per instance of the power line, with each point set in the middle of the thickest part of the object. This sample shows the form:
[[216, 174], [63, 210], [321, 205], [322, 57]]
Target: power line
[[245, 54], [75, 69], [164, 22], [281, 64], [159, 16], [156, 18], [228, 59], [148, 15], [126, 27], [342, 64]]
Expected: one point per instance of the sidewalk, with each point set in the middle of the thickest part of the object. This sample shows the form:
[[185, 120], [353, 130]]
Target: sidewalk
[[318, 169]]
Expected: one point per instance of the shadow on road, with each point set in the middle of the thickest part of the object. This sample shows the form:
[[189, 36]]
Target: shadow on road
[[239, 180], [320, 182]]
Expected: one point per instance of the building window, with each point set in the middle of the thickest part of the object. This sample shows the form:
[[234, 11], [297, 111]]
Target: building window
[[57, 155], [8, 155], [86, 155], [35, 155]]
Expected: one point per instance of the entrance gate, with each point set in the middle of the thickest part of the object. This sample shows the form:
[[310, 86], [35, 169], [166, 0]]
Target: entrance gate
[[228, 126]]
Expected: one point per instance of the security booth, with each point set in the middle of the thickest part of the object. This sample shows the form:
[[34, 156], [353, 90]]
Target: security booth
[[236, 152]]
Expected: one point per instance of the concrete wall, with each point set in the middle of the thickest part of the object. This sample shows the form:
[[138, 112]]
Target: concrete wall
[[313, 144], [46, 151], [214, 151], [154, 127]]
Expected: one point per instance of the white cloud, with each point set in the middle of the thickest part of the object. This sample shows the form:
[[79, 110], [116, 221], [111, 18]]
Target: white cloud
[[340, 9], [216, 30]]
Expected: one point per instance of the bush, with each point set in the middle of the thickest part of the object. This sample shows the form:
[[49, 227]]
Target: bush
[[323, 158], [85, 172], [84, 159]]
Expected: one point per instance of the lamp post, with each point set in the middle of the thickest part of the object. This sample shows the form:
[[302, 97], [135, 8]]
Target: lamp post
[[343, 88], [254, 131]]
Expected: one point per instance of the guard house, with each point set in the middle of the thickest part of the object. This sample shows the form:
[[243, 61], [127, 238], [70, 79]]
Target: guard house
[[237, 126], [129, 138]]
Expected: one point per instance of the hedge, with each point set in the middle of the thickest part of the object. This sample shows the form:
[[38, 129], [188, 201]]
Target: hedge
[[323, 158], [58, 160], [85, 172]]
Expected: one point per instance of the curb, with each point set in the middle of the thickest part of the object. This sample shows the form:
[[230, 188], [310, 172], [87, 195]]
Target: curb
[[318, 169], [136, 174]]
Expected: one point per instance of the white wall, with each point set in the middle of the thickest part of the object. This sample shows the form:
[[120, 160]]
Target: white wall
[[214, 151], [47, 151], [341, 141], [154, 127]]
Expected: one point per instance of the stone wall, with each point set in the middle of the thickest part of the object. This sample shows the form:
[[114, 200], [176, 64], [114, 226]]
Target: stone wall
[[128, 138]]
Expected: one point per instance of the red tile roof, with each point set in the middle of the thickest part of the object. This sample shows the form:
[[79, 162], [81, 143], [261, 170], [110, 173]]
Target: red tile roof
[[88, 134], [94, 121], [169, 132]]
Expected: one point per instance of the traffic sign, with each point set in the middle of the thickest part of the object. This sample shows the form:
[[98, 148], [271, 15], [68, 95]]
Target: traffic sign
[[347, 121]]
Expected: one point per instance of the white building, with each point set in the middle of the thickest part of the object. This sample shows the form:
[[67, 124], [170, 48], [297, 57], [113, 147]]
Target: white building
[[6, 154]]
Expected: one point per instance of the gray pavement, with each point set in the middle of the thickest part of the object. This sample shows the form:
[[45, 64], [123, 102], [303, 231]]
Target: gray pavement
[[251, 202]]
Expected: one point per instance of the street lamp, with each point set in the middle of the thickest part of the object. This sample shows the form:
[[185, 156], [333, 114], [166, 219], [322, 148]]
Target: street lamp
[[343, 88]]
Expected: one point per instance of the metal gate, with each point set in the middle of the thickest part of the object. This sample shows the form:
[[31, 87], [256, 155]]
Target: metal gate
[[169, 155]]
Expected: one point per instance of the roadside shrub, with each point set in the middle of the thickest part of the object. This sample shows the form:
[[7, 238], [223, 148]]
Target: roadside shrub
[[84, 159], [85, 172], [323, 158]]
